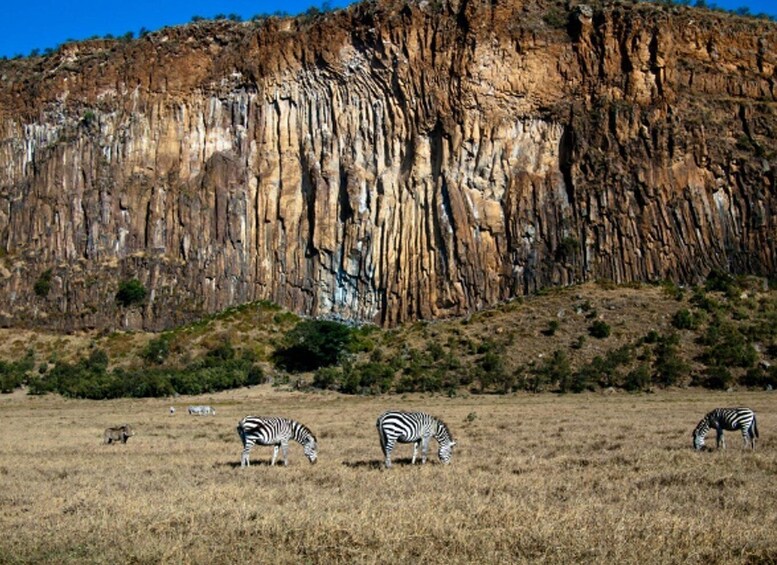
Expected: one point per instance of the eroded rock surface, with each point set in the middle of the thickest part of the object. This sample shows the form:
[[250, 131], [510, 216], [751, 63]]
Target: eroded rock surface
[[392, 161]]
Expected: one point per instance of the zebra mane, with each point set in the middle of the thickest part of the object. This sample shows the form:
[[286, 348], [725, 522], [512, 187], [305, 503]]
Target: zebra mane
[[445, 428], [302, 429], [703, 423]]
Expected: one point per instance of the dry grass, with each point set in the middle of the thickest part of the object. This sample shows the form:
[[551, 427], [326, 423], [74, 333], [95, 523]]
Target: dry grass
[[543, 478]]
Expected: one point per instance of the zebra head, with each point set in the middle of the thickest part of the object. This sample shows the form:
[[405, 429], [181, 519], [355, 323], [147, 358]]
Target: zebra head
[[311, 449], [445, 453], [699, 433]]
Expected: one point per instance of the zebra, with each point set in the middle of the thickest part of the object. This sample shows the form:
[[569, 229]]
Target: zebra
[[727, 419], [202, 410], [416, 428], [120, 433], [276, 432]]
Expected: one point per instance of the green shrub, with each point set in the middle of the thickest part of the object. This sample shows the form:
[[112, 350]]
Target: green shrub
[[554, 371], [638, 378], [669, 366], [15, 374], [599, 329], [685, 320], [43, 284], [718, 378], [726, 346], [312, 344], [704, 302], [760, 377], [671, 290], [721, 281], [130, 292], [327, 378], [157, 350], [553, 326], [651, 337]]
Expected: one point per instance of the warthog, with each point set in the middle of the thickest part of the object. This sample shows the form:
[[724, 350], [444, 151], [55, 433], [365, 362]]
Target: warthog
[[120, 433]]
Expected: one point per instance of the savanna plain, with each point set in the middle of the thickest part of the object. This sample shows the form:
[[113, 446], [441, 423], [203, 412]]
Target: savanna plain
[[535, 478]]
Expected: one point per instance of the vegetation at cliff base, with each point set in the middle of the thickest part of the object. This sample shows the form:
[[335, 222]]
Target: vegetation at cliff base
[[599, 336]]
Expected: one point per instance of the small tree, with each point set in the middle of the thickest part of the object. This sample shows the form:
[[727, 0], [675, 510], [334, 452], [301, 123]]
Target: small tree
[[669, 366], [43, 284], [156, 350], [131, 292], [312, 344]]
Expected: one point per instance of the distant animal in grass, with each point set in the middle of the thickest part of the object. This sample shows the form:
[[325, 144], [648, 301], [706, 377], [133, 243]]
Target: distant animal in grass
[[729, 419], [118, 434], [202, 410]]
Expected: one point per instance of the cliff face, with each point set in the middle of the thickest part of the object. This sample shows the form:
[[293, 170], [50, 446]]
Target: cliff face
[[388, 162]]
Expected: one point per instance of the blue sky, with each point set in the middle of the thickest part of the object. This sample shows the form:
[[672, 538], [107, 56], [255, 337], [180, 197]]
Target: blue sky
[[47, 23]]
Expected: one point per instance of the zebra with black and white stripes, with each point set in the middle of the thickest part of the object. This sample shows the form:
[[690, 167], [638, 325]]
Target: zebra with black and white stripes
[[416, 428], [727, 419], [276, 432]]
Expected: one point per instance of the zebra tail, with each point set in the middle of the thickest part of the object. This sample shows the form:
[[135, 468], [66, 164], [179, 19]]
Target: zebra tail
[[241, 433], [382, 436]]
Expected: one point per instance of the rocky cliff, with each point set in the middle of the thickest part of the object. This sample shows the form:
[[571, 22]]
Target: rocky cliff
[[392, 161]]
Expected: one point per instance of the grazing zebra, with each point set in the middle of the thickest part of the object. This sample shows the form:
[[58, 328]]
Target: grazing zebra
[[202, 410], [276, 432], [120, 433], [416, 428], [727, 419]]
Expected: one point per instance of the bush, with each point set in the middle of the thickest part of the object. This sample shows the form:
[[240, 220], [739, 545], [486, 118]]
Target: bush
[[43, 284], [553, 326], [685, 320], [130, 292], [327, 378], [90, 377], [599, 329], [638, 378], [760, 377], [719, 378], [726, 346], [313, 344], [720, 281], [669, 366], [554, 371], [157, 350], [15, 374]]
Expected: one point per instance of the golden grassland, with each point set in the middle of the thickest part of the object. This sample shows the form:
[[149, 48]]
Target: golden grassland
[[534, 478]]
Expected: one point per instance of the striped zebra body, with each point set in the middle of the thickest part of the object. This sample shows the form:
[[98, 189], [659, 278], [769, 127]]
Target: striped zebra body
[[202, 410], [727, 419], [416, 428], [276, 432]]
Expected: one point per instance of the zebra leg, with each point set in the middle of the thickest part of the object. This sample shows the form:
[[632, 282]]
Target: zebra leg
[[720, 440], [244, 460], [424, 449], [285, 450], [415, 451], [748, 438], [274, 455], [387, 451]]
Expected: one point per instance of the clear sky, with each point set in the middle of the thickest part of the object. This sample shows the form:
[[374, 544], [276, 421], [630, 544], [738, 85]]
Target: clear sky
[[47, 23]]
